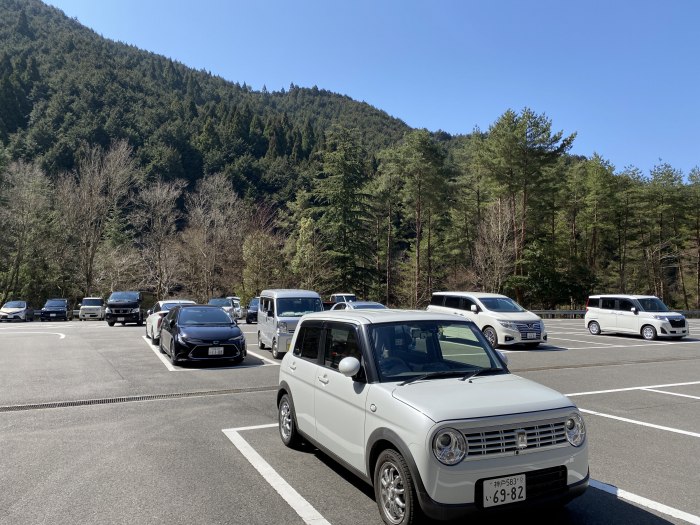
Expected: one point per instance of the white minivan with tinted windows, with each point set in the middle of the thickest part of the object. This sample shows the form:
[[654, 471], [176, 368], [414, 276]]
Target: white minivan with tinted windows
[[502, 321], [644, 315], [279, 311]]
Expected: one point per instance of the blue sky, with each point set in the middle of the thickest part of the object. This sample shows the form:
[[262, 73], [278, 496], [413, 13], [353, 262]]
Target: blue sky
[[622, 74]]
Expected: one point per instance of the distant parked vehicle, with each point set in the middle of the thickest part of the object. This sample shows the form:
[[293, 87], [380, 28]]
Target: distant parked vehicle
[[343, 297], [156, 315], [231, 305], [56, 310], [16, 311], [252, 311], [359, 305], [644, 315], [92, 308], [201, 332], [128, 307], [502, 320]]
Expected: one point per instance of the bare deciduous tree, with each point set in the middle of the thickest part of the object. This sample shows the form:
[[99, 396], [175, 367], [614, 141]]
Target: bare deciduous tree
[[494, 253]]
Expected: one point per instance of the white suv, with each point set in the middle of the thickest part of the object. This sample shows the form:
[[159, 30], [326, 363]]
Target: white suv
[[420, 406], [645, 315], [502, 320]]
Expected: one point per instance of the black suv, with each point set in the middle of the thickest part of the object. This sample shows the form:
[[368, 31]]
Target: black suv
[[56, 309], [127, 307], [252, 311]]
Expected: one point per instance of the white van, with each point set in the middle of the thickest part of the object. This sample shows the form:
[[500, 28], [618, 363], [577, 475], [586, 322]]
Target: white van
[[502, 320], [645, 315], [278, 314]]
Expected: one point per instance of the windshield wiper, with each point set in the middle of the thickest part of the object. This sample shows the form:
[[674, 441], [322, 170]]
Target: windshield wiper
[[430, 375]]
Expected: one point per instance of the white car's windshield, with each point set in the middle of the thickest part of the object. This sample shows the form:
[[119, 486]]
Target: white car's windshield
[[653, 304], [93, 302], [501, 304], [405, 350], [15, 304]]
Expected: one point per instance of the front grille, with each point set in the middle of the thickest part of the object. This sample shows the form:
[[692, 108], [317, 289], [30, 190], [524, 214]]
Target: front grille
[[121, 311], [202, 352], [538, 484], [499, 441], [529, 328], [677, 323]]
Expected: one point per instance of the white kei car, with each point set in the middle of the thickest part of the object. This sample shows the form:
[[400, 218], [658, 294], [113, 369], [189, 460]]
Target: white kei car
[[156, 315], [420, 406]]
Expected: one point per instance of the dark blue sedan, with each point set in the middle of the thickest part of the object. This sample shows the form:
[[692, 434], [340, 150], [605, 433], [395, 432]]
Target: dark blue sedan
[[201, 333]]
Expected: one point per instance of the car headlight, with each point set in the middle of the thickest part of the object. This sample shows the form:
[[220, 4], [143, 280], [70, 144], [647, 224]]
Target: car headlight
[[181, 338], [661, 317], [135, 310], [575, 429], [449, 446], [507, 324], [108, 310], [282, 327]]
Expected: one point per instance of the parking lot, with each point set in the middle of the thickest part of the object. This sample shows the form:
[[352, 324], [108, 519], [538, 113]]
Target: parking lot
[[96, 426]]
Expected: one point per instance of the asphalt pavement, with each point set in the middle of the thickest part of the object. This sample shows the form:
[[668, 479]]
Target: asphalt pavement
[[96, 426]]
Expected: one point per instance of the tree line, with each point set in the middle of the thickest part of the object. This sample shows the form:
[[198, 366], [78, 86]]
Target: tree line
[[506, 210]]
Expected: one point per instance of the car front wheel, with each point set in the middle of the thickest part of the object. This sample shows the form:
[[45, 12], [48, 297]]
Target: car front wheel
[[393, 489], [287, 425], [594, 328], [648, 332], [491, 336], [275, 351]]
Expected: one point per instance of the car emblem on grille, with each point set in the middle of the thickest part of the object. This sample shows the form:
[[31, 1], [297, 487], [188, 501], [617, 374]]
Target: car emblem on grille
[[521, 438], [215, 342]]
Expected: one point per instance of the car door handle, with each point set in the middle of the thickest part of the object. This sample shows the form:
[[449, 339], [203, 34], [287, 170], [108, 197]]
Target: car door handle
[[323, 380]]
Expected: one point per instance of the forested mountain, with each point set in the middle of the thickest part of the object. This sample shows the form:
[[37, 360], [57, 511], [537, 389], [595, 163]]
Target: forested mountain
[[120, 169]]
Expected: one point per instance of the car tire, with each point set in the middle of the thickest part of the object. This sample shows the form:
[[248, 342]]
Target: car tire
[[173, 360], [156, 340], [276, 354], [261, 346], [394, 490], [594, 328], [238, 360], [648, 332], [148, 336], [287, 425], [108, 323], [491, 335]]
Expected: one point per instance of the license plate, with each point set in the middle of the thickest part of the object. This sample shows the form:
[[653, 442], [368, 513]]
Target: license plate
[[532, 335], [52, 315], [502, 491], [216, 350], [120, 319]]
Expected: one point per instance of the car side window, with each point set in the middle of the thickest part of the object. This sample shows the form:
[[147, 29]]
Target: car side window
[[340, 342], [467, 304], [625, 305], [451, 301], [307, 343], [608, 304], [436, 300]]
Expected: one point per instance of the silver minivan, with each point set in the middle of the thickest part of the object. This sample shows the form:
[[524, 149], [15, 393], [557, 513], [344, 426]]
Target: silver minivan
[[645, 315], [278, 314]]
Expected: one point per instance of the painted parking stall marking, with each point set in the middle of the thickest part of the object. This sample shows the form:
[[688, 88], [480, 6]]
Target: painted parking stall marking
[[303, 508]]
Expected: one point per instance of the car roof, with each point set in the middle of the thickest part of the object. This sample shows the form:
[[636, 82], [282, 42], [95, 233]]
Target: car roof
[[624, 296], [356, 304], [478, 295], [289, 292], [176, 301], [382, 316]]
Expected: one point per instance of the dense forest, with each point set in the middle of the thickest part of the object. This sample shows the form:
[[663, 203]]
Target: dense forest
[[123, 169]]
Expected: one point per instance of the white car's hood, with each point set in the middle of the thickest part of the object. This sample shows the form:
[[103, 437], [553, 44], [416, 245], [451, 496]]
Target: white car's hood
[[515, 316], [12, 310], [452, 399]]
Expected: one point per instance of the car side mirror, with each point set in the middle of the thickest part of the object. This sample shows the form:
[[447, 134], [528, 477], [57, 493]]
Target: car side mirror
[[474, 309], [349, 366], [149, 312], [503, 356], [171, 323], [270, 313], [633, 310]]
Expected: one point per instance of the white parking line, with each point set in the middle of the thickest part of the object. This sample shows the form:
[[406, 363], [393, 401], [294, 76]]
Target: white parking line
[[641, 423], [644, 502], [579, 341], [60, 335], [669, 393], [631, 388], [295, 500], [312, 517]]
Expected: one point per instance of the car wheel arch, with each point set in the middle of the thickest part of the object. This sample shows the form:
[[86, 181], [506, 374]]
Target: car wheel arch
[[382, 439]]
